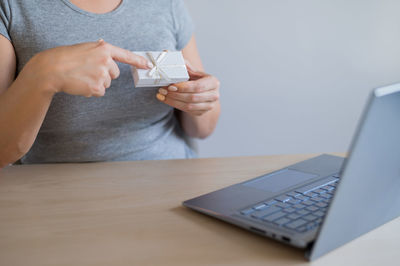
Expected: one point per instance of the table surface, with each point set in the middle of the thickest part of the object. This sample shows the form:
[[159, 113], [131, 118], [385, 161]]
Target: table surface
[[130, 213]]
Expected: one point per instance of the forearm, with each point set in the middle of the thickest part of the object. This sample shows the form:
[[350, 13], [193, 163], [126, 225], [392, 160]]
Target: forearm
[[193, 124], [23, 107], [200, 126]]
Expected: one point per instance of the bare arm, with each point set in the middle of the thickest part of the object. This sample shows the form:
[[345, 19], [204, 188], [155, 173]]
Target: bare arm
[[197, 99], [83, 69], [23, 106], [7, 63]]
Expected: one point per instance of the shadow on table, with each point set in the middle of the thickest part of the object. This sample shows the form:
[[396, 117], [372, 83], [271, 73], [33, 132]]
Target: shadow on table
[[262, 248]]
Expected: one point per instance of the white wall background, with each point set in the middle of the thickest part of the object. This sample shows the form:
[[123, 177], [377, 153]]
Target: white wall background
[[295, 74]]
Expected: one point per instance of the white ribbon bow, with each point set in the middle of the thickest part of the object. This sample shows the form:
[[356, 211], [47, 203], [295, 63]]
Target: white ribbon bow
[[156, 71]]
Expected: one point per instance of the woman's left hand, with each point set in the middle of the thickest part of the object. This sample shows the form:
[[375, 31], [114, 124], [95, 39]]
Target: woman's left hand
[[197, 96]]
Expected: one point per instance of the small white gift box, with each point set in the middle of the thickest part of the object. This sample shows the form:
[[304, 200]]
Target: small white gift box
[[169, 67]]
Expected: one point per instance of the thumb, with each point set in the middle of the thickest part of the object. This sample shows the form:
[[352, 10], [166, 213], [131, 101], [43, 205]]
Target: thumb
[[193, 72]]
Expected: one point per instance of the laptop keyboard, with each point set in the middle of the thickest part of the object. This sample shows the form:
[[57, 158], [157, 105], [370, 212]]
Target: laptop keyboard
[[301, 210]]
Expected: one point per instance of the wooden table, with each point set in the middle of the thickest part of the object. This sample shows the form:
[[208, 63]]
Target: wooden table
[[130, 213]]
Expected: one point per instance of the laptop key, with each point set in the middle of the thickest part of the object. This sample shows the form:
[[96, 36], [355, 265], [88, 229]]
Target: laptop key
[[328, 188], [265, 212], [295, 224], [309, 217], [303, 212], [311, 194], [326, 196], [321, 204], [283, 198], [299, 206], [293, 194], [271, 202], [316, 185], [260, 207], [289, 210], [302, 197], [293, 201], [311, 225], [318, 199], [293, 216], [319, 191], [275, 216], [308, 203], [312, 208], [319, 214], [282, 221], [247, 211], [282, 205], [301, 229]]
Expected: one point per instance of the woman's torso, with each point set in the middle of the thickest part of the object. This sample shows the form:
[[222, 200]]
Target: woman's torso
[[127, 123]]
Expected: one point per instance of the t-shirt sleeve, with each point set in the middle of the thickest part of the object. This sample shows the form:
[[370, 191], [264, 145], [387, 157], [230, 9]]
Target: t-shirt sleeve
[[5, 18], [183, 24]]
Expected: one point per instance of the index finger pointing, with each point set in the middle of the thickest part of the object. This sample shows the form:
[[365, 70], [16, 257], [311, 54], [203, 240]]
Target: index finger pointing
[[127, 57]]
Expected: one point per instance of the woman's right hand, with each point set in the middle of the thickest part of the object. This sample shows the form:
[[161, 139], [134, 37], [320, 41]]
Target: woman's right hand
[[85, 69]]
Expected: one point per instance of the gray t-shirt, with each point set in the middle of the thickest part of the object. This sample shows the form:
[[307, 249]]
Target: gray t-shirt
[[128, 123]]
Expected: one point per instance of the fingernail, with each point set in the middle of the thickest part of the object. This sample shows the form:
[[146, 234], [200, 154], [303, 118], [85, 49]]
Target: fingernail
[[160, 97], [150, 64], [172, 88], [163, 91]]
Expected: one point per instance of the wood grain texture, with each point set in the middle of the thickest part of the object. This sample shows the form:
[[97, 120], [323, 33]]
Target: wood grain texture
[[130, 213]]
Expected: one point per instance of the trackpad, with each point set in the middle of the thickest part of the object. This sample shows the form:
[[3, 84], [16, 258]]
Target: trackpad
[[280, 180]]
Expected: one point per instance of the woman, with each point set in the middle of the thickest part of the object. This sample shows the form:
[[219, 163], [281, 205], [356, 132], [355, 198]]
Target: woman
[[55, 51]]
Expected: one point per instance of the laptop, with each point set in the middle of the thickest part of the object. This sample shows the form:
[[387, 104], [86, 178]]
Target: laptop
[[324, 202]]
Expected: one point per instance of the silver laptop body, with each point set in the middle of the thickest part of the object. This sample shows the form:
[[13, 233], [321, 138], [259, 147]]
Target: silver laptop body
[[324, 202]]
